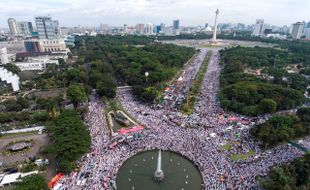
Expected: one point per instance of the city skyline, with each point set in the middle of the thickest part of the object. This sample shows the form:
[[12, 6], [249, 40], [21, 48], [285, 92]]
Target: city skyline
[[190, 12]]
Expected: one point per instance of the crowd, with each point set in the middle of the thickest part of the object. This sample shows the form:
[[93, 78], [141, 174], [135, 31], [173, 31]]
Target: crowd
[[180, 87], [170, 130]]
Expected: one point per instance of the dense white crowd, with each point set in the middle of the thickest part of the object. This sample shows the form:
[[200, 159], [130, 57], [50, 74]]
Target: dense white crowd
[[165, 129]]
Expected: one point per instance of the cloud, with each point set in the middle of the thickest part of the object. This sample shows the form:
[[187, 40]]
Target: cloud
[[190, 12]]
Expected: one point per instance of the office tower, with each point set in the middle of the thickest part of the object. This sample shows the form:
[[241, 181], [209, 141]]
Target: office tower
[[162, 27], [157, 29], [308, 25], [148, 29], [258, 28], [57, 29], [140, 28], [125, 28], [46, 27], [25, 28], [176, 24], [297, 30], [13, 26], [307, 32]]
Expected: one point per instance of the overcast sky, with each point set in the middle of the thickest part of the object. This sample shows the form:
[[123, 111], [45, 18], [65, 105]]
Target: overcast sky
[[190, 12]]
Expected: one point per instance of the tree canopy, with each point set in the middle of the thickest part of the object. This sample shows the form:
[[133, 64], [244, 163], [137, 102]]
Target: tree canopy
[[70, 140], [278, 129], [76, 94], [32, 182], [295, 175], [251, 94]]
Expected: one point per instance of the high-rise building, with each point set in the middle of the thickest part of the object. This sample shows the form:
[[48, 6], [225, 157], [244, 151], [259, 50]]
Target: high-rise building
[[25, 28], [140, 28], [47, 28], [258, 28], [297, 30], [307, 32], [13, 26], [149, 29], [308, 25], [176, 24], [162, 27]]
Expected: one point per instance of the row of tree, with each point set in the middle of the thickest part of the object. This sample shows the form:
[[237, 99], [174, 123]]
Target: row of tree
[[280, 128]]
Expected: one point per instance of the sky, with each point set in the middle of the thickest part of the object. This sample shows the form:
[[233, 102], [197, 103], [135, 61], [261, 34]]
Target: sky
[[131, 12]]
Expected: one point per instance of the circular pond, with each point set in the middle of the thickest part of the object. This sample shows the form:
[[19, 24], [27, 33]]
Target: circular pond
[[179, 173]]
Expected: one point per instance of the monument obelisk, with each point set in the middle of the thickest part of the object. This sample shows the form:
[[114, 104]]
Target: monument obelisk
[[215, 26]]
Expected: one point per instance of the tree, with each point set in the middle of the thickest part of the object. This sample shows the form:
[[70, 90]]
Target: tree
[[13, 68], [304, 114], [32, 182], [107, 87], [77, 94], [267, 106], [70, 140]]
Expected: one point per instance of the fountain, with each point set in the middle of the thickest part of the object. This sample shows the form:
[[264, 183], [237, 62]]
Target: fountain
[[159, 174], [169, 171]]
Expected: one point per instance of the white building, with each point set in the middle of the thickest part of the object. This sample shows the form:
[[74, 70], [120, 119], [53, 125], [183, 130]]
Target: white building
[[258, 28], [4, 58], [297, 30], [149, 29], [35, 64], [9, 179], [277, 36], [9, 78], [52, 45], [13, 26]]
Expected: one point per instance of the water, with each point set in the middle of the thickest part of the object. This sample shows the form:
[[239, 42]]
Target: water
[[138, 173]]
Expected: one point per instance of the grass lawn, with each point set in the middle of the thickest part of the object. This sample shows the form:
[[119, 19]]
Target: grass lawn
[[237, 157], [226, 147]]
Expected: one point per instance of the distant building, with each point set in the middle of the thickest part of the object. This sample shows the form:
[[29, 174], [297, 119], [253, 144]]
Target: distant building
[[267, 31], [162, 28], [47, 28], [36, 64], [149, 29], [308, 25], [157, 29], [53, 45], [13, 26], [32, 46], [25, 28], [258, 28], [4, 59], [15, 46], [307, 32], [297, 30], [176, 25], [140, 28]]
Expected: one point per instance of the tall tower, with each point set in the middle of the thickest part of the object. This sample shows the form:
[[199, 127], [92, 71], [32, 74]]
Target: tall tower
[[13, 26], [215, 25]]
